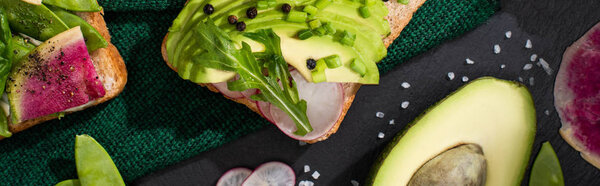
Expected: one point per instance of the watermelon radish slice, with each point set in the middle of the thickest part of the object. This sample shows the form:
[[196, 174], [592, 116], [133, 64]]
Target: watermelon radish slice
[[271, 174], [577, 95], [234, 177], [55, 76], [324, 108]]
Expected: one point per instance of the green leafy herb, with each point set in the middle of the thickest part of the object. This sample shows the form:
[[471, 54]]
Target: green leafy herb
[[222, 54], [6, 56], [546, 168]]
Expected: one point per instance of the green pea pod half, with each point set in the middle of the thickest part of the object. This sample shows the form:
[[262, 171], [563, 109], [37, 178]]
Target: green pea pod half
[[76, 5], [20, 47], [93, 38], [94, 165], [6, 56], [73, 182], [36, 21]]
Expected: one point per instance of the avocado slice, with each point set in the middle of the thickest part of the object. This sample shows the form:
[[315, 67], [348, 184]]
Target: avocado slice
[[342, 15], [497, 115]]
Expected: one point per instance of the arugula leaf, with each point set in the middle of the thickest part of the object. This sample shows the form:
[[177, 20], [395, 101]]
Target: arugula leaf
[[6, 57], [222, 54]]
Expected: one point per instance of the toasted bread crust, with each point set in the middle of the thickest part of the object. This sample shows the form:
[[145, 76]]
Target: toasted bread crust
[[108, 63], [398, 17]]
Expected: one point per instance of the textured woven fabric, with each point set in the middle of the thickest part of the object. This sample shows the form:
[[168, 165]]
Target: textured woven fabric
[[160, 119]]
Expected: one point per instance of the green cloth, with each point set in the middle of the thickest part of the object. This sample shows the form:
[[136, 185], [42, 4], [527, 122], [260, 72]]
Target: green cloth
[[160, 119]]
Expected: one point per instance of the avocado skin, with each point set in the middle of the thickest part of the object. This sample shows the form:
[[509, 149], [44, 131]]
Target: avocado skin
[[370, 180]]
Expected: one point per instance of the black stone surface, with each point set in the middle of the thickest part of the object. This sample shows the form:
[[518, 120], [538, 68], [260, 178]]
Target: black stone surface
[[552, 25]]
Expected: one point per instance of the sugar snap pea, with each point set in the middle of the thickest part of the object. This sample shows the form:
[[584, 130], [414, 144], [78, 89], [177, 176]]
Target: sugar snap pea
[[72, 182], [36, 21], [6, 56], [93, 38], [94, 165], [20, 47], [76, 5]]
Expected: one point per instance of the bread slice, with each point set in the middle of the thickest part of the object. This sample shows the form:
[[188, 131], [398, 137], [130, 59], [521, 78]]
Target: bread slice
[[108, 63], [398, 17]]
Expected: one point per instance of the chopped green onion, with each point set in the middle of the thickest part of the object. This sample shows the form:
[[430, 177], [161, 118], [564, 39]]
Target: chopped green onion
[[262, 5], [271, 3], [358, 67], [320, 31], [329, 28], [320, 4], [404, 2], [333, 61], [312, 10], [305, 34], [348, 38], [297, 16], [364, 12], [318, 74], [314, 24]]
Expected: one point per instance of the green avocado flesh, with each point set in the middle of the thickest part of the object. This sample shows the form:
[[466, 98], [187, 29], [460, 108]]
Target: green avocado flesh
[[497, 115], [342, 14]]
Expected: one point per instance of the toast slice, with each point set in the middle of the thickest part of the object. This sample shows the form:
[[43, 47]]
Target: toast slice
[[398, 17], [108, 63]]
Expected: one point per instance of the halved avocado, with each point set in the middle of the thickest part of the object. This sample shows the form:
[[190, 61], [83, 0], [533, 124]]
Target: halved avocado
[[496, 115]]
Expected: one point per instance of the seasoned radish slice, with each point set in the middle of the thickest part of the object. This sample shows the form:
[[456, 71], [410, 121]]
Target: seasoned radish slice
[[577, 96], [226, 92], [324, 107], [265, 110], [234, 177], [271, 174]]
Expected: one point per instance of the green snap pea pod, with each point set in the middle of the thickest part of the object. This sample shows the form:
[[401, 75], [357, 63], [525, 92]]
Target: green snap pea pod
[[76, 5], [72, 182], [93, 38], [6, 56], [20, 47], [94, 165], [36, 21]]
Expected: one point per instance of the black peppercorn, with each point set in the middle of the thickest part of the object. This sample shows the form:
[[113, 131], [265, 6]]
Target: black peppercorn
[[251, 12], [286, 8], [209, 9], [311, 64], [232, 19], [240, 26]]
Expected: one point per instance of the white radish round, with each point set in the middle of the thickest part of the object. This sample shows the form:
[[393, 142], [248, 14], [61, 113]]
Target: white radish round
[[249, 92], [234, 177], [265, 110], [324, 107], [222, 87], [271, 174]]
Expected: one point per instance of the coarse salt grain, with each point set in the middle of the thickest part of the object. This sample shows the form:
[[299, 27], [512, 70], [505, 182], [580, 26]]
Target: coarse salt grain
[[469, 61], [502, 66], [306, 183], [533, 57], [531, 81], [547, 112], [306, 168], [451, 75], [354, 183], [392, 122], [521, 79], [528, 44], [527, 66], [545, 66], [379, 114], [405, 85], [380, 135], [508, 34], [316, 175], [405, 104], [497, 49], [465, 78]]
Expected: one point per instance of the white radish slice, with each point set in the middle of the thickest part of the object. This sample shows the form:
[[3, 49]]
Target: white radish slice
[[271, 174], [265, 110], [249, 92], [234, 177], [222, 87], [324, 107]]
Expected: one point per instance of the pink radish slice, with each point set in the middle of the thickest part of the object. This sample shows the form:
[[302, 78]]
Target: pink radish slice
[[577, 95], [249, 92], [265, 110], [222, 87], [324, 107], [234, 177], [271, 174]]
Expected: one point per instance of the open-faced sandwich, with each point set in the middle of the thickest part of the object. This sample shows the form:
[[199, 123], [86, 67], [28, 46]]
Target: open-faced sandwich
[[55, 58], [297, 63]]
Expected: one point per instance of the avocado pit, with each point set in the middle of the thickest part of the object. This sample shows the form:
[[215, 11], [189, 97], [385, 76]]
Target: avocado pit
[[461, 165]]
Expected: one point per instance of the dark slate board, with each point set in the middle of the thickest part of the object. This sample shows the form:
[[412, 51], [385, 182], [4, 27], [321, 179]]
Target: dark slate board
[[552, 25]]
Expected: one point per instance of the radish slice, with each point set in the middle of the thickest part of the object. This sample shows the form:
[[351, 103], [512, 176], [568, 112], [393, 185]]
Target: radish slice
[[265, 110], [249, 92], [225, 91], [271, 174], [234, 177], [324, 107]]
